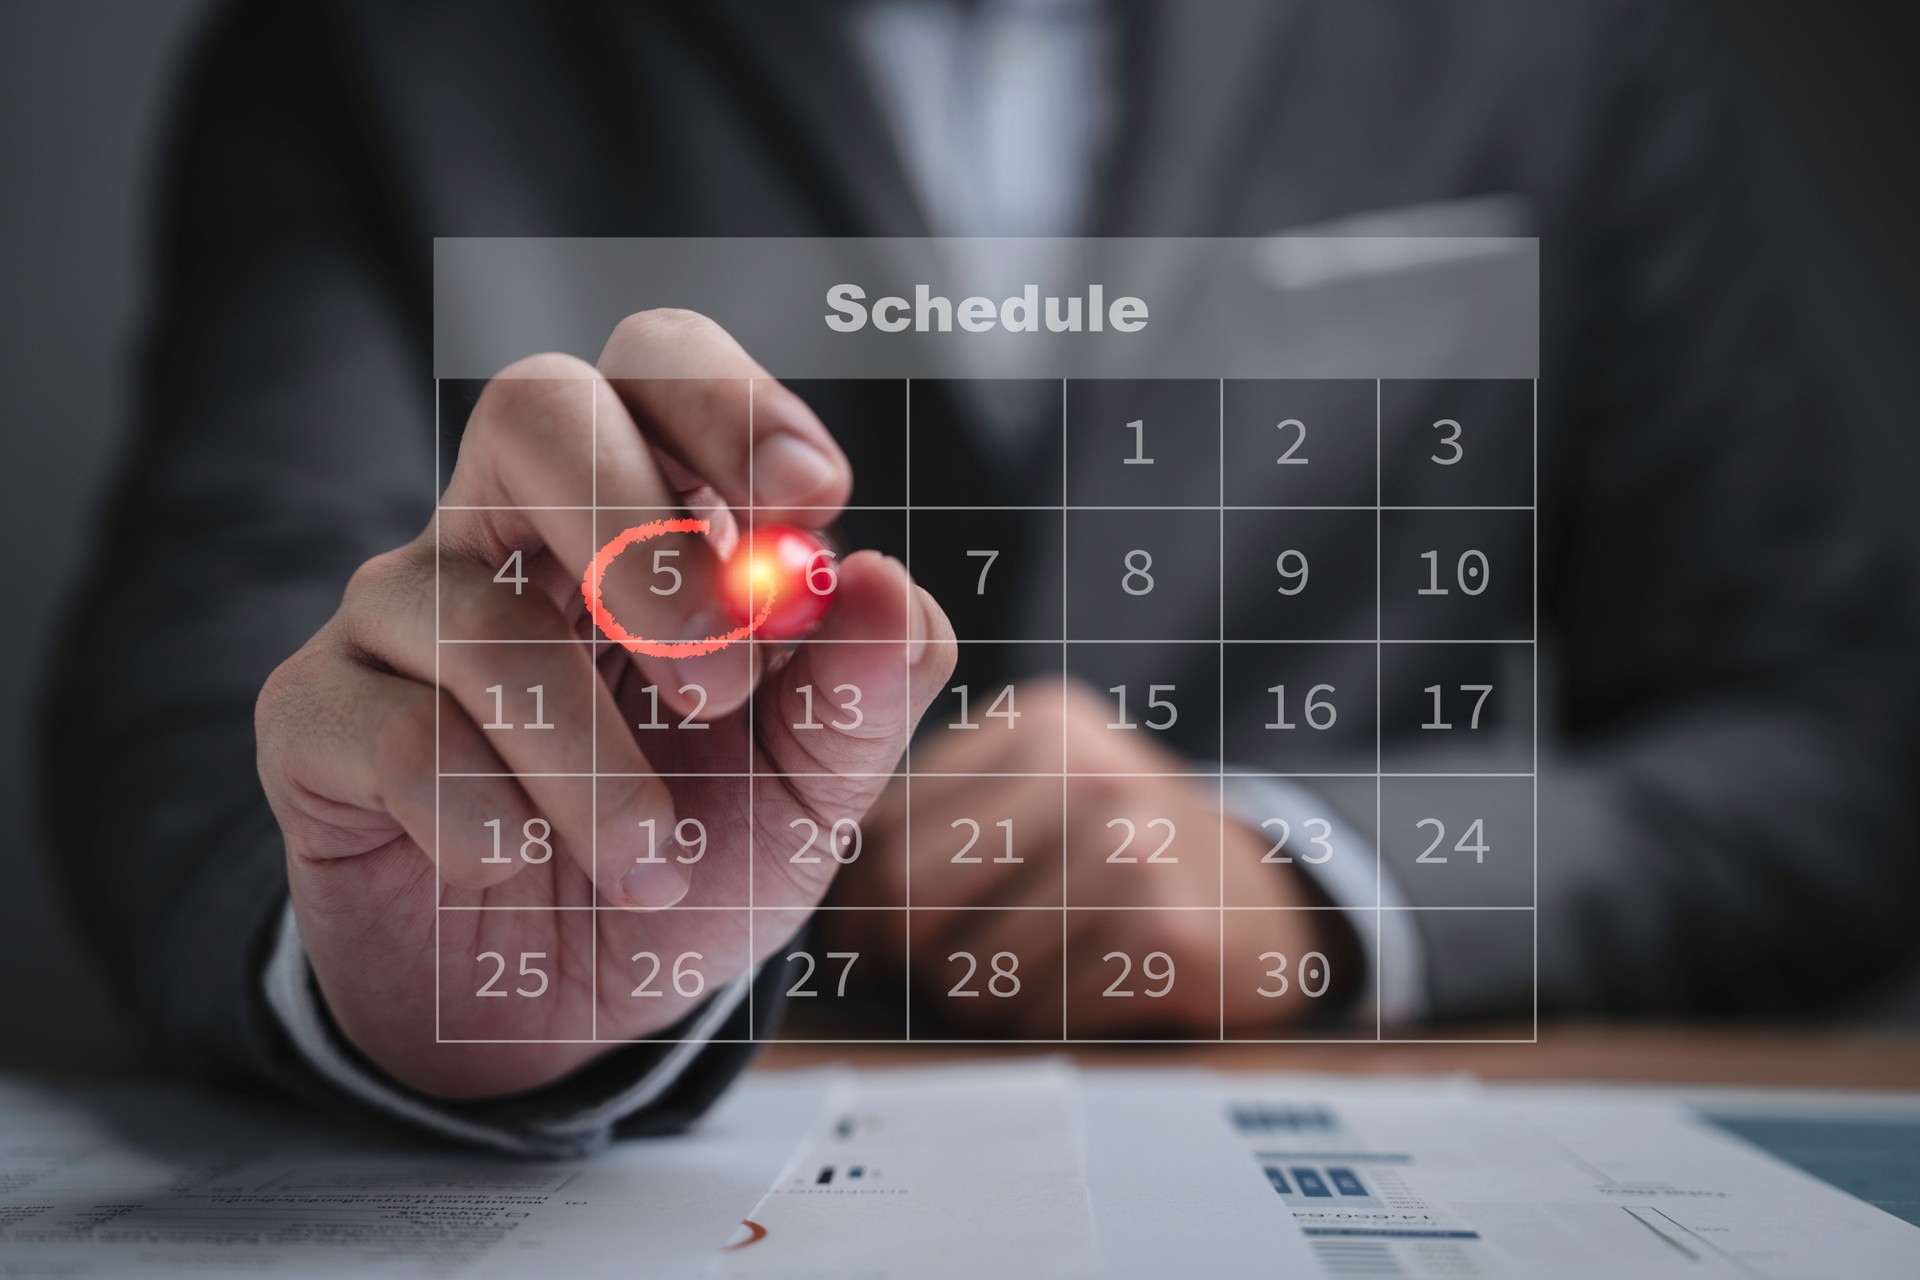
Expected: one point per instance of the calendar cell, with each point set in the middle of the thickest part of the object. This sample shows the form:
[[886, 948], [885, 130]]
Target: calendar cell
[[841, 989], [1298, 575], [1299, 708], [531, 703], [1157, 700], [804, 846], [823, 696], [1456, 575], [1015, 462], [494, 830], [564, 410], [1143, 976], [1143, 575], [1135, 842], [984, 846], [657, 579], [1319, 828], [1459, 708], [1143, 444], [667, 964], [1459, 842], [1282, 980], [1458, 443], [672, 716], [1470, 959], [868, 418], [516, 974], [980, 722], [1004, 983], [705, 817], [997, 577], [522, 592], [1299, 443]]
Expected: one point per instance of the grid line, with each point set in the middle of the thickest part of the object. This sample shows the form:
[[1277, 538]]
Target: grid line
[[1534, 497], [1066, 470], [1379, 756], [753, 736], [906, 981], [439, 881], [1221, 722], [593, 731]]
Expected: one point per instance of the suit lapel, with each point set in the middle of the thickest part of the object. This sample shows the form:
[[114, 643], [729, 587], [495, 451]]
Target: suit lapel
[[1195, 79]]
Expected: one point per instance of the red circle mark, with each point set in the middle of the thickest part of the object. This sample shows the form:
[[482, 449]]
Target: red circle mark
[[610, 626]]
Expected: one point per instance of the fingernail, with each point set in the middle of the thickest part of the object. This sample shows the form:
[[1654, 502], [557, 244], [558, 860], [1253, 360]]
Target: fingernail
[[654, 886], [787, 471], [917, 627]]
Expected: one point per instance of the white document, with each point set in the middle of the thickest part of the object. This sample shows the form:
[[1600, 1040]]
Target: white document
[[966, 1171], [1505, 1185], [1172, 1188], [974, 1170], [155, 1181]]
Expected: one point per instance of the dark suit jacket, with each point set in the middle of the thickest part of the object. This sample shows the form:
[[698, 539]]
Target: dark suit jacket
[[1727, 822]]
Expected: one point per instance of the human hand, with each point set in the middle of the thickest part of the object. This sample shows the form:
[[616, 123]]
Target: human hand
[[624, 770], [989, 835]]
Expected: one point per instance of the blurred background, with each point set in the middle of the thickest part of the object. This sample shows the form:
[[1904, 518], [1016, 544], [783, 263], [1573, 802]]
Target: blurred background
[[86, 87]]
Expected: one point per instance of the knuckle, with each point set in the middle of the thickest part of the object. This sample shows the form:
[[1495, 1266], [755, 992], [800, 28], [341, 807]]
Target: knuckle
[[385, 586], [404, 740], [1076, 701], [473, 608], [1106, 795], [628, 795], [378, 576], [534, 396], [278, 692], [1188, 941]]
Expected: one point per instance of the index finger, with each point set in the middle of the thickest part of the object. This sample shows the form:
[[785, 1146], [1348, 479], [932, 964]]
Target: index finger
[[700, 397]]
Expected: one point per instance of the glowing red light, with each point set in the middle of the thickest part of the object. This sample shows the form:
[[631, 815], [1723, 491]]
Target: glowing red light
[[789, 568]]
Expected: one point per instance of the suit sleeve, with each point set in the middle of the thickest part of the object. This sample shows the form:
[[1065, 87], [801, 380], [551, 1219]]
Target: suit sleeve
[[285, 434], [1725, 820]]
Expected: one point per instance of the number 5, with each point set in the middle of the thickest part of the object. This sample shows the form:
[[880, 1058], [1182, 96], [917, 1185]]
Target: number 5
[[660, 553]]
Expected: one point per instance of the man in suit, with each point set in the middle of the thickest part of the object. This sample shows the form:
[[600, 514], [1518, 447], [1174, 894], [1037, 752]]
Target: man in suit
[[1724, 821]]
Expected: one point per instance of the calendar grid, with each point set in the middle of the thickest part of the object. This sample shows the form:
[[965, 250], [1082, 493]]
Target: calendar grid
[[1075, 908]]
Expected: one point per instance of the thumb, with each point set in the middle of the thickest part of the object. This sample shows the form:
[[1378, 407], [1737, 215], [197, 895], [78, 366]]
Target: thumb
[[853, 692]]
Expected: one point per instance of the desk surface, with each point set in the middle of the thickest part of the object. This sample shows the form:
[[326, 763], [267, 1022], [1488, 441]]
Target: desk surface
[[1766, 1057]]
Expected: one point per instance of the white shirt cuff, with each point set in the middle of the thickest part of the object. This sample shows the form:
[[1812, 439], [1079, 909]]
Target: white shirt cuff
[[1354, 880], [295, 1002]]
